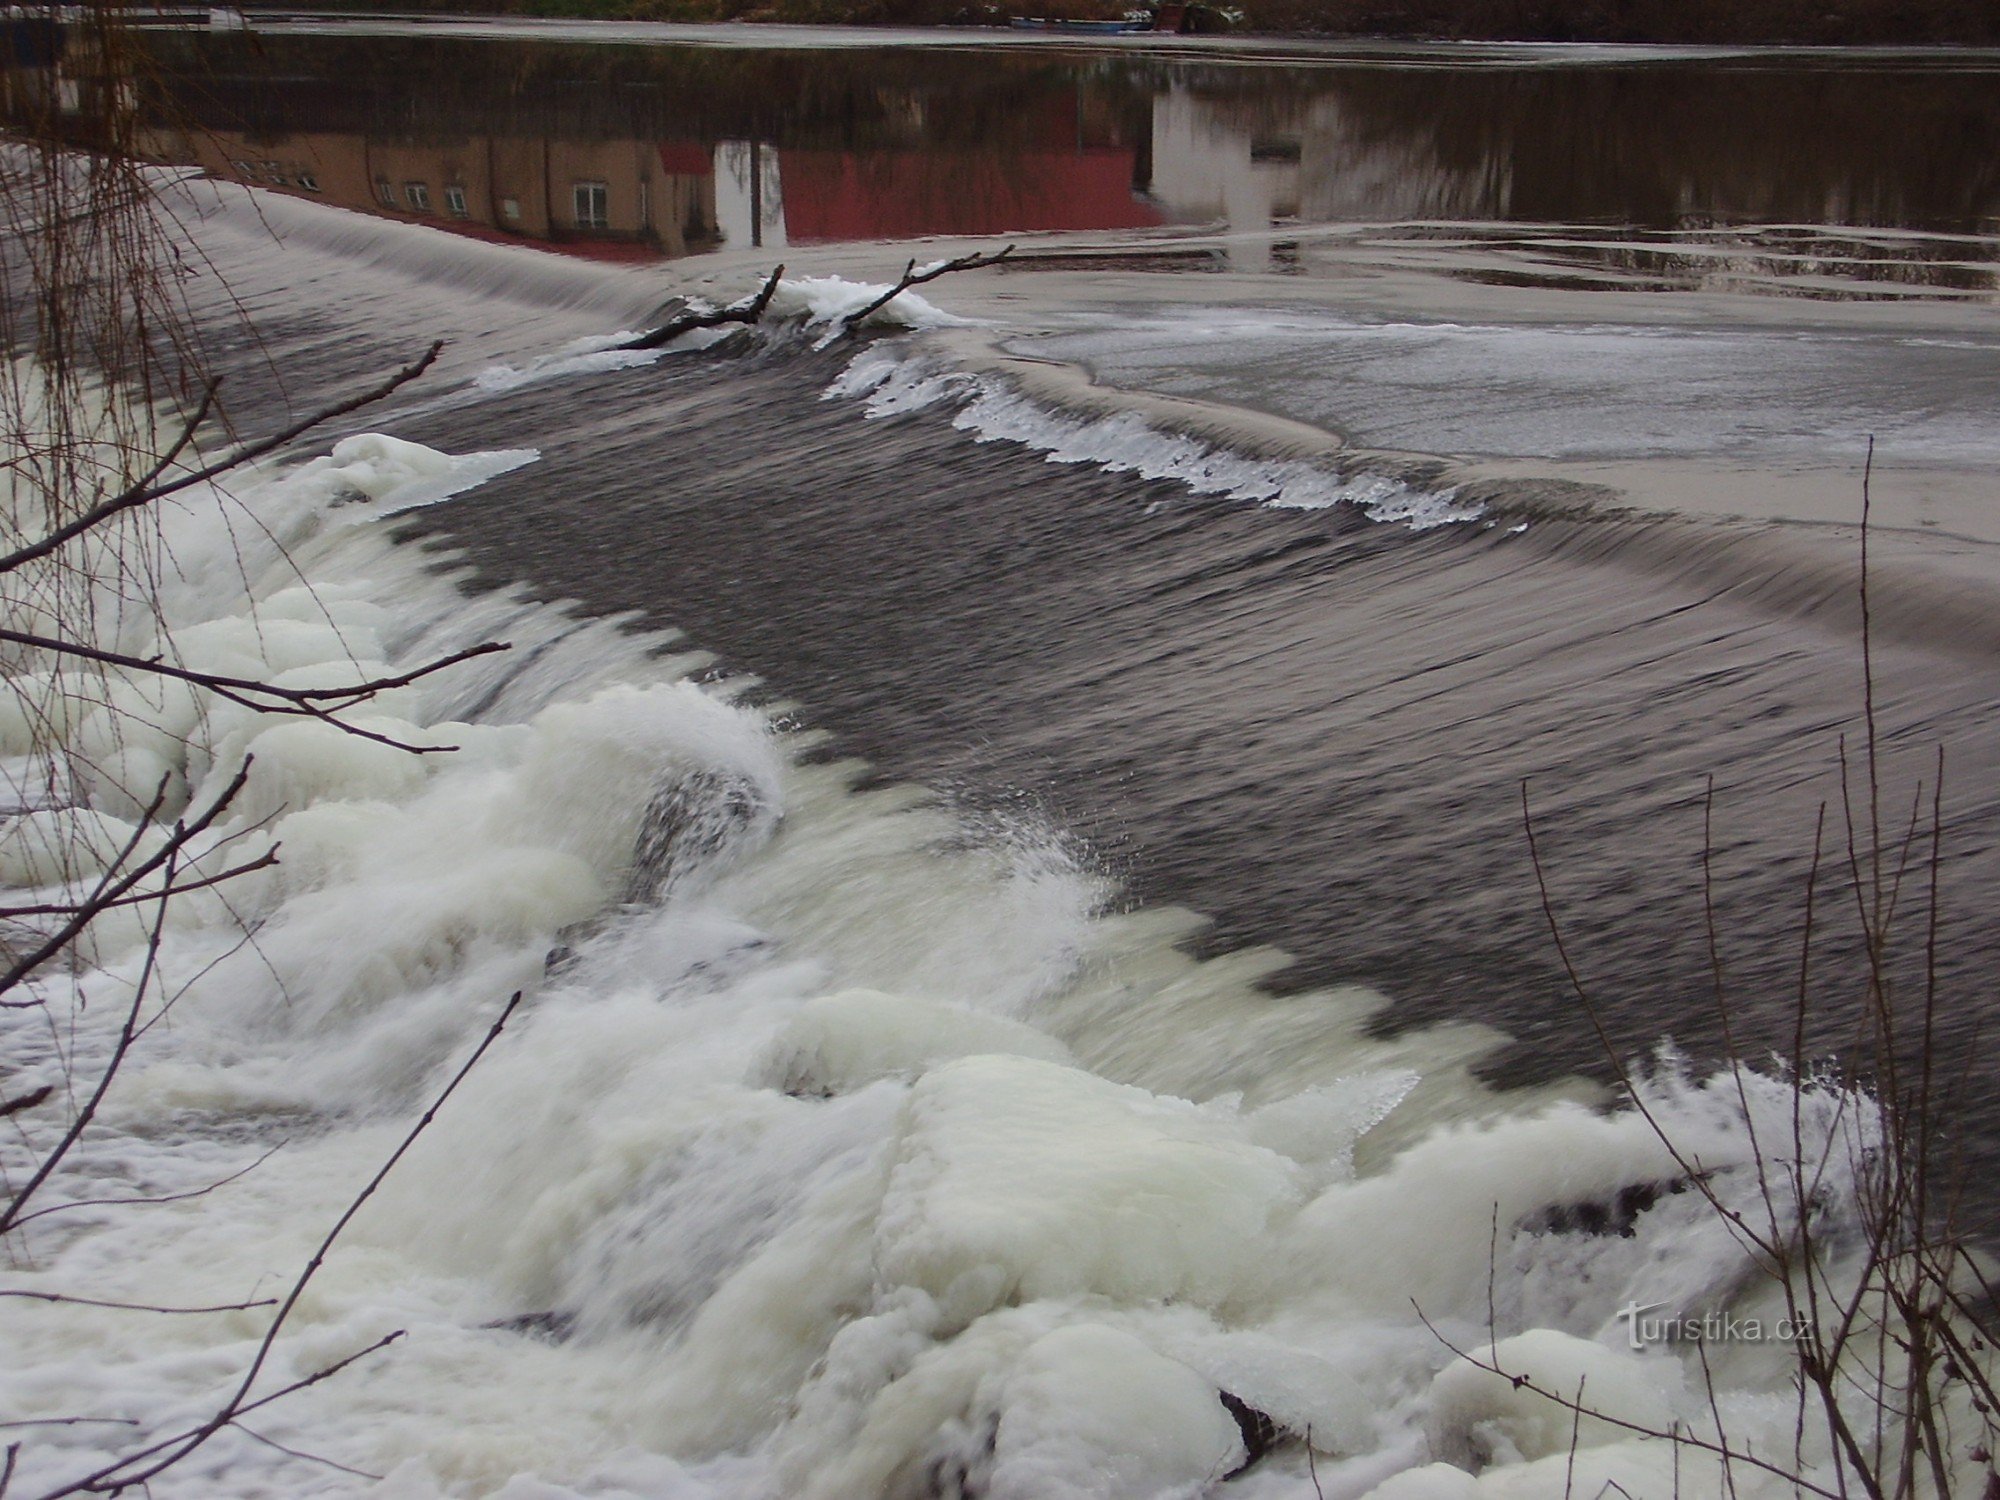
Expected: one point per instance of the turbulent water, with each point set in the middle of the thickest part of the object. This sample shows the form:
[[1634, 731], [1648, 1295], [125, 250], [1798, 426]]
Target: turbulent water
[[1034, 982]]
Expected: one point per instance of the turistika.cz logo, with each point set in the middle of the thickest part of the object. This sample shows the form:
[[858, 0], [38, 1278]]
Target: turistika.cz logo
[[1645, 1326]]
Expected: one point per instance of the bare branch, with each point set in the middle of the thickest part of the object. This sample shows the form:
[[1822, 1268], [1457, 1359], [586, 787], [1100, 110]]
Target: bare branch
[[148, 490], [913, 277], [110, 888], [745, 312], [179, 444], [316, 701], [138, 1468], [27, 1101], [63, 909], [142, 1200], [69, 1301]]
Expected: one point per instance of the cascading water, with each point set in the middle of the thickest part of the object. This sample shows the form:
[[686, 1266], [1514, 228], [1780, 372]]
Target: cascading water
[[837, 1149]]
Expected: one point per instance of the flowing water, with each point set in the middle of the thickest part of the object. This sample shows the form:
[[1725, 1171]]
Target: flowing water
[[1032, 956]]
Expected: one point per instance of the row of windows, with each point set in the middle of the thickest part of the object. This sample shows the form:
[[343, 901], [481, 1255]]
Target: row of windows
[[278, 174], [417, 196], [590, 202]]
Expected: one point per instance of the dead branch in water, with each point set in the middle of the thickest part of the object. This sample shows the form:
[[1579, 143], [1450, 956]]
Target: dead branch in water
[[747, 312], [913, 277], [752, 310]]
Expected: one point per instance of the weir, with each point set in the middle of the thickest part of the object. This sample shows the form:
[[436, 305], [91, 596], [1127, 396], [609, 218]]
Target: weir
[[1035, 980]]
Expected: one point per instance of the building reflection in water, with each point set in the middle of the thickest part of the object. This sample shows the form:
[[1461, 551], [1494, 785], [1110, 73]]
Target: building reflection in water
[[548, 164], [629, 199], [1664, 174], [605, 199], [1257, 165]]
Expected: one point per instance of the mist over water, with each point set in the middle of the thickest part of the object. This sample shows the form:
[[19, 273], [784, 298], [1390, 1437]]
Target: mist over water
[[1025, 916]]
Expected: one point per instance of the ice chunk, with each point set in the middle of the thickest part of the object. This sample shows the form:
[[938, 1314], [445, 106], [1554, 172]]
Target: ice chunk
[[37, 709], [1298, 1391], [57, 845], [1438, 1481], [295, 764], [377, 465]]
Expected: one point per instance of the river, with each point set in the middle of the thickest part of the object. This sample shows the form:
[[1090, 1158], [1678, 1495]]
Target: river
[[1032, 835]]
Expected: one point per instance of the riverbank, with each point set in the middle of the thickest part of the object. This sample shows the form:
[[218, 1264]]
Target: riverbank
[[1818, 23]]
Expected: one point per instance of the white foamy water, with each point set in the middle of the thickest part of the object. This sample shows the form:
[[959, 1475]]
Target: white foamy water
[[843, 1146], [790, 1177], [889, 384]]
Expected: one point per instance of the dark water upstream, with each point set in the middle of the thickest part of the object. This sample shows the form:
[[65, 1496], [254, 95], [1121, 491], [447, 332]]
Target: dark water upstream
[[1826, 174]]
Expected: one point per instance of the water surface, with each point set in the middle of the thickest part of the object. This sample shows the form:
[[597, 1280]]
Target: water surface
[[1574, 167]]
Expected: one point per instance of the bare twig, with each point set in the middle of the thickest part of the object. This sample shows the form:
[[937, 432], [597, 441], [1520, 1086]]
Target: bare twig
[[72, 1422], [263, 861], [69, 1301], [91, 1483], [1638, 1429], [147, 491], [12, 1215], [140, 1200], [299, 1453], [747, 311], [112, 885], [911, 276], [1689, 1166], [136, 1469], [323, 704], [1891, 1351]]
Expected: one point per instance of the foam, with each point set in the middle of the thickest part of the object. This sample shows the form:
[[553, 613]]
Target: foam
[[890, 385], [838, 1043], [1017, 1178], [780, 1181], [1511, 1401]]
